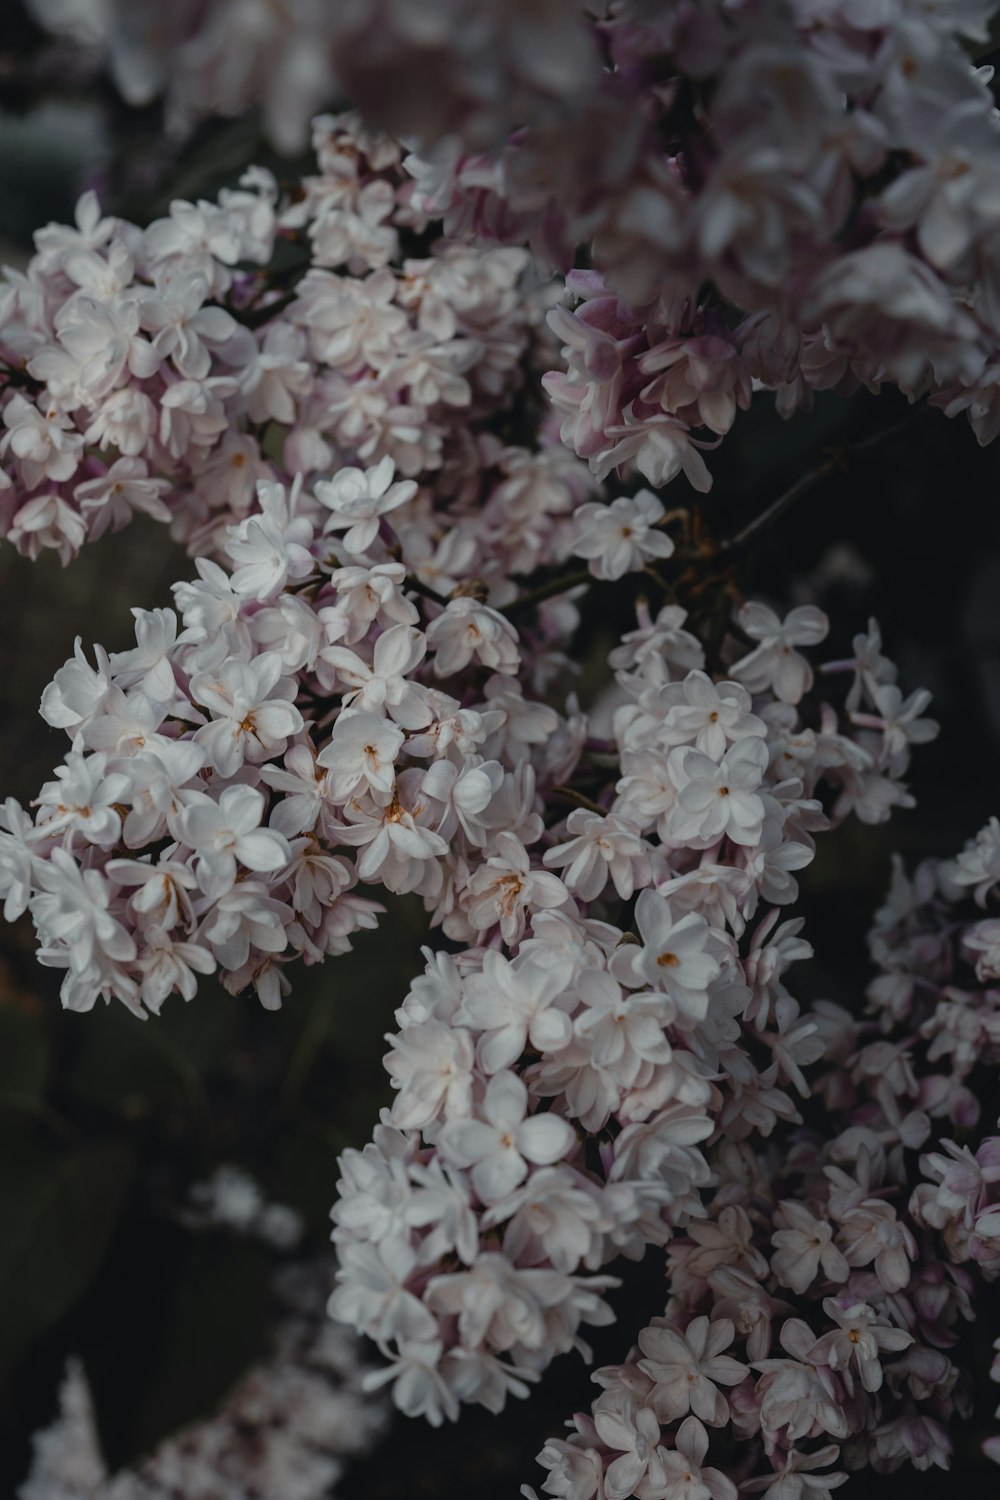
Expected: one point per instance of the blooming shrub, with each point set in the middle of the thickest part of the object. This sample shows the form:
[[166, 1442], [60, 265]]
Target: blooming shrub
[[413, 435]]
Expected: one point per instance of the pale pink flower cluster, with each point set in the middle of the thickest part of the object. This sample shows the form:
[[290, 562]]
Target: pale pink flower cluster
[[331, 394], [814, 1313], [814, 1319], [784, 197], [795, 197], [159, 370], [286, 732], [558, 1079], [803, 1336]]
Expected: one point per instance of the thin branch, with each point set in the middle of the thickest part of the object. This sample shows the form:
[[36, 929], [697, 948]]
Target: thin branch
[[838, 458], [262, 312], [424, 590], [569, 794], [544, 591]]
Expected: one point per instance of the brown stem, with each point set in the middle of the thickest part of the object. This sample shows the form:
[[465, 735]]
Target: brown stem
[[837, 458]]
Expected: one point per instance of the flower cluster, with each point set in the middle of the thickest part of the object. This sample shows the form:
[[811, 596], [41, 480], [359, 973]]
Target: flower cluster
[[331, 393], [558, 1079], [170, 370], [772, 197], [285, 1429], [804, 1334], [809, 200], [225, 770], [834, 1285]]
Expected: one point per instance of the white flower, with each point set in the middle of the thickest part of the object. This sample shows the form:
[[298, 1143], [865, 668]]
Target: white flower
[[775, 664], [870, 1233], [556, 1217], [680, 1474], [227, 831], [707, 715], [718, 800], [268, 554], [622, 1031], [160, 785], [43, 442], [631, 1431], [47, 521], [358, 498], [496, 1303], [797, 1481], [184, 328], [148, 666], [16, 865], [84, 799], [978, 864], [249, 725], [799, 1400], [431, 1066], [417, 1386], [441, 1203], [688, 1367], [858, 1341], [382, 686], [673, 957], [505, 887], [245, 916], [361, 752], [621, 537], [161, 896], [604, 846], [304, 785], [466, 793], [72, 910], [900, 722], [77, 691], [468, 630], [372, 1293], [366, 596], [512, 1004], [109, 501], [169, 967], [802, 1245], [399, 845], [499, 1146]]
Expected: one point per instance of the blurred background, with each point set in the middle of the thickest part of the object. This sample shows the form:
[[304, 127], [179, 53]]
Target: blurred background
[[106, 1122]]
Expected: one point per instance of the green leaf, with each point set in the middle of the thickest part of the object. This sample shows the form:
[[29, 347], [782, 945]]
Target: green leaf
[[163, 1345], [24, 1055], [131, 1068], [58, 1211]]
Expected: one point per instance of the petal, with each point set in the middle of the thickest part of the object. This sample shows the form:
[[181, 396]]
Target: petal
[[545, 1139], [506, 1101]]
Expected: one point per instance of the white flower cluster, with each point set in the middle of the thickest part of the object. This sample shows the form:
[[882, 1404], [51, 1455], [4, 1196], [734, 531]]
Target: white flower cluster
[[285, 1429], [159, 370], [557, 1080], [292, 711]]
